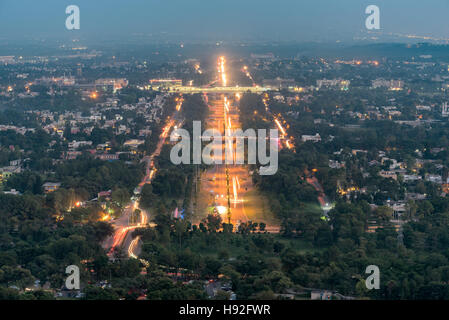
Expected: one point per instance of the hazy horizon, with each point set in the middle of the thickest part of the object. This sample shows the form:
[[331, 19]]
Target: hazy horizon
[[196, 20]]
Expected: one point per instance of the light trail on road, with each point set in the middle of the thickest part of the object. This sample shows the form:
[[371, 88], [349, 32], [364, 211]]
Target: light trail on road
[[132, 247], [122, 226], [245, 70], [179, 102], [221, 70], [234, 187], [280, 126], [284, 136]]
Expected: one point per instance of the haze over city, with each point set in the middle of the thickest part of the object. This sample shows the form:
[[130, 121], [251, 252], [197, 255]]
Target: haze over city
[[232, 20]]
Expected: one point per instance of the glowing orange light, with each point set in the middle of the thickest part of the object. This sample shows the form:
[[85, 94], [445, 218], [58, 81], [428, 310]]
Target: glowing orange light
[[280, 126]]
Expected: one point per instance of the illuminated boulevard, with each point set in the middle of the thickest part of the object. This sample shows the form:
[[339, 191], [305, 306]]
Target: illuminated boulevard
[[225, 189], [226, 186]]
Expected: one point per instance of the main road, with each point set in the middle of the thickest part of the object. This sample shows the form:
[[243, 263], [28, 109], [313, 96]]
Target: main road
[[227, 188], [225, 185]]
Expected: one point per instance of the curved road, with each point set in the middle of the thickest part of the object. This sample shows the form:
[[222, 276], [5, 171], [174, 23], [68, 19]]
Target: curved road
[[122, 226]]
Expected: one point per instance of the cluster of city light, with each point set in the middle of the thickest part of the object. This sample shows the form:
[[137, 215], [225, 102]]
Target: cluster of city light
[[246, 72], [357, 62], [221, 209], [265, 101], [198, 69], [27, 86], [179, 102], [283, 137], [167, 128], [288, 143], [348, 190]]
